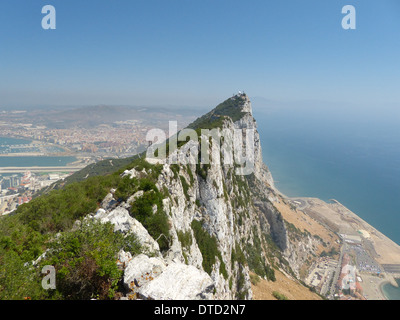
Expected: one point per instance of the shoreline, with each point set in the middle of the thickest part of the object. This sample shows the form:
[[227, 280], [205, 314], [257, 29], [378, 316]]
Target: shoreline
[[390, 282], [32, 142], [375, 237], [383, 283]]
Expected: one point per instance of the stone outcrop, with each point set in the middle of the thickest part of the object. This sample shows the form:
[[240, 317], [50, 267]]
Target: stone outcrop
[[179, 282], [141, 270], [125, 224]]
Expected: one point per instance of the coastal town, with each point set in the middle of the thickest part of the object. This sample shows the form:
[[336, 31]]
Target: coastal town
[[88, 132], [121, 140], [366, 262], [79, 137], [18, 189], [347, 278]]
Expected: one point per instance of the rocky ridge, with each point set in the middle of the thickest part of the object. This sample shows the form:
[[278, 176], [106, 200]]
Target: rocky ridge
[[222, 225]]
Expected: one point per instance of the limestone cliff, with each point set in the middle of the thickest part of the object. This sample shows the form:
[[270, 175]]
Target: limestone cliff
[[222, 223]]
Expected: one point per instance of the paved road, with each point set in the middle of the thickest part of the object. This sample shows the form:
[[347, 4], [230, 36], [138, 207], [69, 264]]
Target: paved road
[[337, 273]]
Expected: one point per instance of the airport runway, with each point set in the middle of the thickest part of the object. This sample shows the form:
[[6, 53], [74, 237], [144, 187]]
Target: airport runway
[[40, 169]]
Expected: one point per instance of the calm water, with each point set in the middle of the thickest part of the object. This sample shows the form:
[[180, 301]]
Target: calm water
[[391, 292], [355, 161], [30, 161], [5, 142], [35, 161]]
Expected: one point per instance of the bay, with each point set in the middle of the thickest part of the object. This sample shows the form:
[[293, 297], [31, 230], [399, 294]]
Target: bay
[[35, 161], [30, 161]]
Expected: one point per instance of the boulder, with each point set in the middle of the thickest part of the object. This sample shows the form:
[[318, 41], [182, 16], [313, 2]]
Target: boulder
[[137, 195], [142, 269], [123, 258], [126, 224], [178, 282], [109, 202]]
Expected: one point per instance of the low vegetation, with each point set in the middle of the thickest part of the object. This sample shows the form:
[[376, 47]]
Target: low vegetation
[[228, 108], [256, 261], [279, 296], [27, 234], [255, 279], [84, 260], [208, 248], [186, 240]]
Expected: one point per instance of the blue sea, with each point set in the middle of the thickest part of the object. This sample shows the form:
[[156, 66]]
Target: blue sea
[[5, 142], [353, 157], [30, 161], [35, 161]]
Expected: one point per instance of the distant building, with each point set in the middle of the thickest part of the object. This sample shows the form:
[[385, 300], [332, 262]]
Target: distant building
[[15, 181], [351, 239], [54, 176]]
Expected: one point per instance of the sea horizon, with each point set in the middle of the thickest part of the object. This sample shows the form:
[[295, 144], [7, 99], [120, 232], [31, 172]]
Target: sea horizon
[[310, 159]]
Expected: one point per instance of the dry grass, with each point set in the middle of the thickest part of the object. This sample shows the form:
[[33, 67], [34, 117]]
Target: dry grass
[[264, 289], [304, 222]]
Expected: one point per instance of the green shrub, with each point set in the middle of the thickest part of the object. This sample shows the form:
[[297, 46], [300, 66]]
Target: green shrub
[[189, 171], [175, 169], [18, 281], [208, 248], [185, 238], [202, 170], [85, 261], [158, 227], [255, 279], [237, 256], [155, 223], [185, 187], [279, 296], [240, 292], [125, 188]]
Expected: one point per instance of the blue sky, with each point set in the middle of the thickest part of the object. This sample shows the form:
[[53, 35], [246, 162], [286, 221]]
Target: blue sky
[[198, 52]]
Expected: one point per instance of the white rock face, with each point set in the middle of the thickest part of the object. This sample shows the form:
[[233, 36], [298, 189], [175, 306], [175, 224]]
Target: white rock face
[[137, 195], [109, 202], [125, 224], [142, 269], [131, 173], [179, 282], [123, 258]]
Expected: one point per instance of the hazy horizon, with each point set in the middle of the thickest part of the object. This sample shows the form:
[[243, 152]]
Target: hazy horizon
[[198, 53]]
